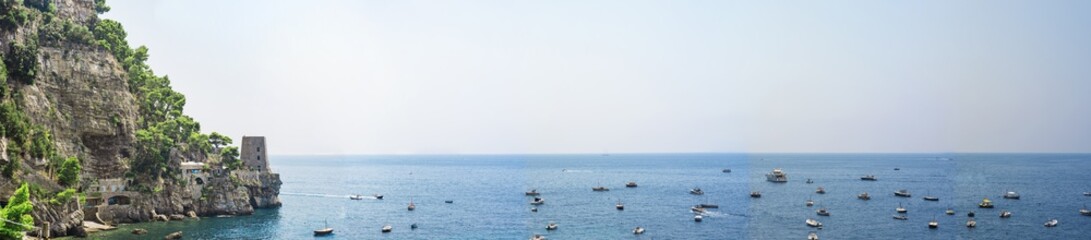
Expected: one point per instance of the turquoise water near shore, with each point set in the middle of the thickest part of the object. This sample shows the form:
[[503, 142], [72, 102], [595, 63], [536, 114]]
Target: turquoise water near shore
[[489, 203]]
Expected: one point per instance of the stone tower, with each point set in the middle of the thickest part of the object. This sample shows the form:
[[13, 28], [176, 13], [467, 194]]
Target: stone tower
[[253, 153]]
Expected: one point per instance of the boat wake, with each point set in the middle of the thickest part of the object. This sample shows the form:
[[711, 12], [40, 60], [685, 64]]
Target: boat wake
[[322, 195]]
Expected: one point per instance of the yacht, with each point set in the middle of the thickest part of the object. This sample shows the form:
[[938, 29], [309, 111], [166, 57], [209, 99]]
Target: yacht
[[869, 178], [551, 226], [812, 236], [755, 194], [900, 209], [971, 223], [532, 192], [537, 201], [863, 196], [1084, 211], [950, 211], [813, 223], [902, 193], [820, 190], [1087, 194], [600, 189], [1052, 223], [1011, 195], [931, 198], [822, 212], [638, 230], [933, 223], [619, 206], [696, 191], [985, 203], [776, 176], [630, 184], [697, 209], [901, 217], [356, 197], [810, 202], [698, 218], [1005, 214], [387, 228], [379, 196]]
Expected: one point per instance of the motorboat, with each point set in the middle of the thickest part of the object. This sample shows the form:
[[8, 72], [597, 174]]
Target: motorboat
[[726, 170], [696, 191], [356, 197], [619, 206], [822, 212], [600, 189], [809, 181], [638, 230], [863, 196], [387, 228], [449, 201], [532, 192], [537, 201], [706, 205], [1011, 195], [812, 236], [324, 231], [379, 196], [971, 223], [537, 237], [902, 193], [697, 209], [901, 217], [970, 214], [950, 211], [985, 203], [933, 223], [1052, 223], [755, 194], [813, 223], [869, 178], [931, 198], [896, 169], [413, 226], [551, 226], [1087, 194], [810, 202], [820, 190], [534, 209], [630, 184], [777, 176], [1005, 214], [698, 218], [900, 209], [1084, 211]]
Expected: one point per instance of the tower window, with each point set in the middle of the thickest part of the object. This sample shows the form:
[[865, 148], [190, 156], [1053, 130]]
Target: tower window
[[259, 149]]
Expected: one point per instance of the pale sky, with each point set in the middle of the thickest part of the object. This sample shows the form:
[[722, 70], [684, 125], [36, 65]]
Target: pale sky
[[462, 77]]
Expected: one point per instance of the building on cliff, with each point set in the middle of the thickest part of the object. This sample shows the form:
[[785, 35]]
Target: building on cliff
[[254, 155]]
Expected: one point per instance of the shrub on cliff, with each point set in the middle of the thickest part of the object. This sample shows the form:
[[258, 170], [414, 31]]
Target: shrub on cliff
[[69, 174], [17, 214], [101, 7], [22, 60], [12, 14], [65, 31]]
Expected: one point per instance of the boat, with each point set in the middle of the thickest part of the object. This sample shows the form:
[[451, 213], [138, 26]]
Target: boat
[[869, 178], [896, 169], [537, 237], [356, 197], [387, 228], [630, 184], [696, 191], [813, 223], [809, 181], [812, 236], [863, 196], [1011, 195], [379, 196], [901, 217], [810, 202], [1052, 223], [1005, 214], [413, 226], [933, 223], [970, 214], [950, 211], [324, 231], [820, 190], [698, 218], [1087, 194], [600, 189], [449, 201], [902, 193], [619, 206], [551, 226], [900, 209], [411, 205], [697, 209], [931, 198], [985, 203], [822, 212], [706, 205], [638, 230], [777, 176], [537, 201], [971, 223], [532, 192], [534, 209], [755, 194], [1084, 211], [726, 170]]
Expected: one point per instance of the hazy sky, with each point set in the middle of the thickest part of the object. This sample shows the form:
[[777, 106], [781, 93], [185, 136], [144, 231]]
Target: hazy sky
[[382, 77]]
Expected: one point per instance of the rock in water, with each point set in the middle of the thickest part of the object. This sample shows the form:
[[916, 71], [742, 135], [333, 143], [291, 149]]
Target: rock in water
[[174, 235], [140, 231], [177, 217]]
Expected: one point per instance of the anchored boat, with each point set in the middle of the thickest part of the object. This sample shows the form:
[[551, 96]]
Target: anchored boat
[[776, 175]]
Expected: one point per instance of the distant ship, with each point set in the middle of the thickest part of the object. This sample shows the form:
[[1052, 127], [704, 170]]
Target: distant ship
[[776, 176], [869, 178]]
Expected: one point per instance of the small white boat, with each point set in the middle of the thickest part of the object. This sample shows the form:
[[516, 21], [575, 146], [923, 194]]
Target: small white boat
[[537, 201], [697, 209], [933, 223], [379, 196], [900, 209], [411, 206], [902, 193], [630, 184], [1084, 211], [638, 230], [869, 178], [387, 228], [820, 190], [537, 237], [950, 211], [810, 202], [551, 226], [696, 191], [534, 209], [931, 198], [864, 196], [324, 231], [600, 189], [755, 194], [822, 212], [971, 223], [813, 223], [619, 206], [985, 203], [812, 236], [698, 218], [1087, 194], [1011, 195], [356, 197], [901, 217], [1052, 223], [1005, 214], [532, 192]]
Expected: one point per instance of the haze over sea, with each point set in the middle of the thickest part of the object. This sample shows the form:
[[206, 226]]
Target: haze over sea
[[489, 203]]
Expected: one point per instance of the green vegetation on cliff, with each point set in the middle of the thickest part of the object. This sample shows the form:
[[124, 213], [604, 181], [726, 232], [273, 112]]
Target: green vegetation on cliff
[[16, 214]]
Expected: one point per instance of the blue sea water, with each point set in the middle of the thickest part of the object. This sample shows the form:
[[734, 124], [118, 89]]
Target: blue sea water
[[489, 203]]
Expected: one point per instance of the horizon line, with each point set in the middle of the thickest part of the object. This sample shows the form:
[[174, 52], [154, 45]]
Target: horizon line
[[651, 153]]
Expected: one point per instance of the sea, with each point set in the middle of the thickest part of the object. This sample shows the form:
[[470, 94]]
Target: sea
[[488, 200]]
